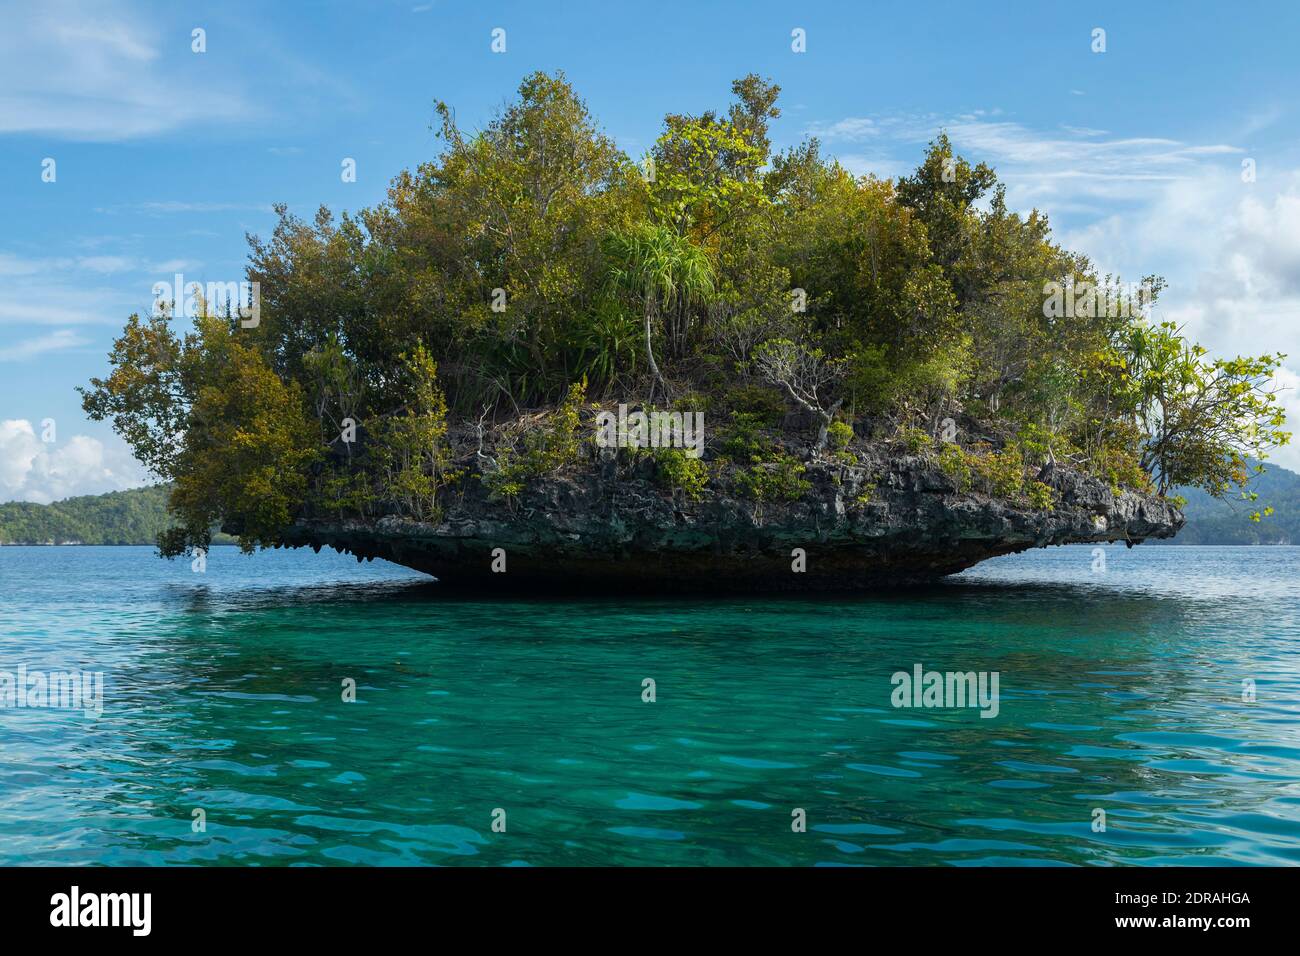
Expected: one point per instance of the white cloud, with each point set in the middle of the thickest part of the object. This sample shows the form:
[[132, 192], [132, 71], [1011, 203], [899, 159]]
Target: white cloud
[[1069, 162], [107, 264], [161, 207], [173, 265], [851, 128], [54, 342], [68, 290], [16, 266], [49, 303], [1231, 253], [98, 72], [113, 37], [34, 470], [879, 166]]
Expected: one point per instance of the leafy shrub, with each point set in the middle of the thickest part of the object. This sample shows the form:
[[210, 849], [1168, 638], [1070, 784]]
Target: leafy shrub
[[743, 441], [1001, 473], [766, 473], [342, 493], [916, 440], [677, 470], [839, 434], [1120, 468], [692, 402], [1040, 495], [1038, 444], [955, 463], [412, 452], [778, 480], [546, 449], [765, 404]]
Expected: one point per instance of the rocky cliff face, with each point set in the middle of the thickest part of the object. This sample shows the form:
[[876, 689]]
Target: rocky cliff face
[[882, 521]]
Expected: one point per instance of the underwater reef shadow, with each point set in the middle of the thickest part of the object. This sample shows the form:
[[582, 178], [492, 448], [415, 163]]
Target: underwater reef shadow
[[1118, 601]]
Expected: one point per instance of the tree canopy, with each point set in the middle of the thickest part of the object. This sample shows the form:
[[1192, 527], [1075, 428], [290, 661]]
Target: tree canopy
[[533, 265]]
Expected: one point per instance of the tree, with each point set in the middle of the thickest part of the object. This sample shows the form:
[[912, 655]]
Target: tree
[[806, 376], [412, 446], [209, 414], [668, 274], [706, 173], [756, 105], [247, 450], [876, 297], [942, 191], [1201, 418], [534, 192], [147, 394]]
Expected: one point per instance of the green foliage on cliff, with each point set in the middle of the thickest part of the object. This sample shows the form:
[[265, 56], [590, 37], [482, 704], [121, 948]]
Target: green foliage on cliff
[[676, 470], [778, 289], [535, 448]]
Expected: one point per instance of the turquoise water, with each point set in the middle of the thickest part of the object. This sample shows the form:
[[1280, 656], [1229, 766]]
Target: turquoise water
[[1119, 690]]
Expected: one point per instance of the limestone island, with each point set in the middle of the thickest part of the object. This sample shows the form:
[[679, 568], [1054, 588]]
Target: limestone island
[[541, 363]]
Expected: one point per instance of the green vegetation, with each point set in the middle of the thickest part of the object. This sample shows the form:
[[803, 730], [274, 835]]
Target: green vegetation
[[997, 473], [677, 470], [1040, 495], [532, 448], [840, 434], [138, 516], [780, 479], [452, 340], [1274, 495]]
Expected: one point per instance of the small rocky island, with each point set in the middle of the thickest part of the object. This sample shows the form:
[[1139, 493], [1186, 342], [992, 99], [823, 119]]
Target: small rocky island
[[885, 380]]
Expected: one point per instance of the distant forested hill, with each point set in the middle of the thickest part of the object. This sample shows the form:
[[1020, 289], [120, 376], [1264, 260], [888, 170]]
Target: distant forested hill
[[136, 517], [1221, 522], [119, 517]]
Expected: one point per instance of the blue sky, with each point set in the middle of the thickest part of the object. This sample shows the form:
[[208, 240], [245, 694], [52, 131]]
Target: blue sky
[[165, 158]]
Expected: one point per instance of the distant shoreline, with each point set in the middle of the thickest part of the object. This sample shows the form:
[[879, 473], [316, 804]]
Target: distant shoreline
[[83, 544]]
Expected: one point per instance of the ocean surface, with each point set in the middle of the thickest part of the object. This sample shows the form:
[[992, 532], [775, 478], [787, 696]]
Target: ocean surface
[[1124, 689]]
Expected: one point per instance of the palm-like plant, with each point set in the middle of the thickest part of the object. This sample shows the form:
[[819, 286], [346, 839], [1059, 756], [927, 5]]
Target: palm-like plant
[[667, 272], [607, 341]]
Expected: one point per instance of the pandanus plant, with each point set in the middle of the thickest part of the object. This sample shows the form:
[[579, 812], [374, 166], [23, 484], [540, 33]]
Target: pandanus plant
[[667, 273]]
